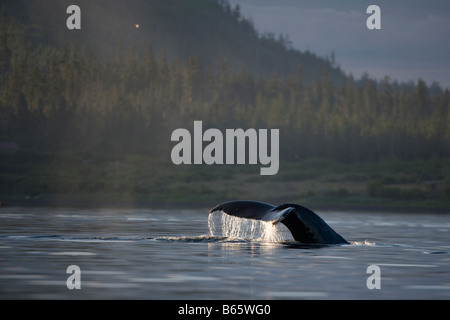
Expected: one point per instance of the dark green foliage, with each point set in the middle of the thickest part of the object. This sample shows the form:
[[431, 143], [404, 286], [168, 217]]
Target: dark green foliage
[[70, 102], [67, 99], [378, 190]]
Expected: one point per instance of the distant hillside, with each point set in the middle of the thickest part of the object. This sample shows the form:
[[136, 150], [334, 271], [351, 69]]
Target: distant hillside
[[211, 29], [78, 117]]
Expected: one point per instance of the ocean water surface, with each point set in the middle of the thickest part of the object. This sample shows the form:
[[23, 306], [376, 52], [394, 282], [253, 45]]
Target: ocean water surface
[[187, 254]]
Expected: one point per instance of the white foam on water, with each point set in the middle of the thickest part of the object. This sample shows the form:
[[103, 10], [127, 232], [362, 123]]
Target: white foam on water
[[363, 243], [234, 228]]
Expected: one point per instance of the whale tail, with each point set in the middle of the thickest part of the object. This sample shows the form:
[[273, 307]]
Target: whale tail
[[305, 225]]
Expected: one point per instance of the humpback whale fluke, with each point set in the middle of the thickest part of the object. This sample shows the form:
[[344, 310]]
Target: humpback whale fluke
[[305, 226]]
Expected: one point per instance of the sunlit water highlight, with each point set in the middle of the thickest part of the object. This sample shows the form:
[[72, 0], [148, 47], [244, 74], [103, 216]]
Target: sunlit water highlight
[[186, 254], [233, 228]]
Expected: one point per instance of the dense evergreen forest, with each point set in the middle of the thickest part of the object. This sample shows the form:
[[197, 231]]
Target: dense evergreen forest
[[70, 100]]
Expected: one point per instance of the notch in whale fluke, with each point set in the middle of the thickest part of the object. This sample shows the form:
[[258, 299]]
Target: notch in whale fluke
[[305, 225]]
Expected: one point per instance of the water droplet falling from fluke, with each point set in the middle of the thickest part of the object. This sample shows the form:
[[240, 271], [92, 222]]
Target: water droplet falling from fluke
[[223, 225]]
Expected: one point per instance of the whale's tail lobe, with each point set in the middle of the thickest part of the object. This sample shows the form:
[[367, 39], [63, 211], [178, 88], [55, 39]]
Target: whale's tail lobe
[[304, 225]]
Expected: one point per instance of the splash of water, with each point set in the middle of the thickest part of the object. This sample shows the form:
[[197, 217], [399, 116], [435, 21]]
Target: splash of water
[[363, 243], [230, 227]]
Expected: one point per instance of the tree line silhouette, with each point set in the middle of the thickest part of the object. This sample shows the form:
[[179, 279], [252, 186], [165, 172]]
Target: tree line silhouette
[[71, 100]]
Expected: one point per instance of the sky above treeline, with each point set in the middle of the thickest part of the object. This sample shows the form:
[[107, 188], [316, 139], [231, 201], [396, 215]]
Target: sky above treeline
[[413, 41]]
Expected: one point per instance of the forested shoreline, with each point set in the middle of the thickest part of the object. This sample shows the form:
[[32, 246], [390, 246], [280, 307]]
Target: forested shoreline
[[69, 101]]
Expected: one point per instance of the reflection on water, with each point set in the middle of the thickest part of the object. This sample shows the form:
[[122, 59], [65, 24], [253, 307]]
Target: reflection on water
[[186, 254]]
